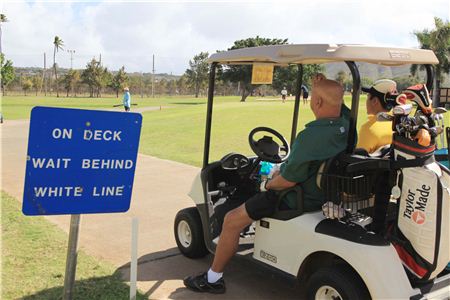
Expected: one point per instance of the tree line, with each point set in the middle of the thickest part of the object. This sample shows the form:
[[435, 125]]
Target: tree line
[[96, 81], [437, 39]]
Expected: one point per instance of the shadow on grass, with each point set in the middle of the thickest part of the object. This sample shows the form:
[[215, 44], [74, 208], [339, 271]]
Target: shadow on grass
[[273, 100], [155, 257], [107, 287], [188, 103], [161, 266]]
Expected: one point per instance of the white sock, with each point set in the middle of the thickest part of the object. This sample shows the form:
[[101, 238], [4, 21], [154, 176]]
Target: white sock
[[213, 276]]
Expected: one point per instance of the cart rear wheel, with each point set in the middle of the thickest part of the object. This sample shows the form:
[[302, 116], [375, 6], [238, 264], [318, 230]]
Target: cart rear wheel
[[189, 233], [337, 282]]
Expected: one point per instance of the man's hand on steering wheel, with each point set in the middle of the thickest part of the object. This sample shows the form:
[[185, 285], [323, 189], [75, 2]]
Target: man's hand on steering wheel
[[266, 148]]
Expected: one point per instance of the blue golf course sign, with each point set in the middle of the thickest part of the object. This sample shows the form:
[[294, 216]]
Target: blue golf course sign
[[80, 161]]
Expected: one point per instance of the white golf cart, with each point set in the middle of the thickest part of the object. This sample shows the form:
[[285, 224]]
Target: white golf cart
[[335, 259]]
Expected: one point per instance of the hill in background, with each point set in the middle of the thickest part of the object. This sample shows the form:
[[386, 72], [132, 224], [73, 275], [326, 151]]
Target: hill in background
[[375, 72]]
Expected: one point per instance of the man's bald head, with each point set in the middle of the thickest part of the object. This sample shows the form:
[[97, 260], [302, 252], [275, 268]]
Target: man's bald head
[[318, 77], [327, 97]]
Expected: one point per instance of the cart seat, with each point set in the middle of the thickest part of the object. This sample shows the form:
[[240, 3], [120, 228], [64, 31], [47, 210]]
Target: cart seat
[[381, 152], [287, 214], [348, 165]]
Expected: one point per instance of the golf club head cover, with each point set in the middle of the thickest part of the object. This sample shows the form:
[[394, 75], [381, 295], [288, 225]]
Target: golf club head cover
[[419, 94], [423, 137], [403, 109], [395, 99], [401, 99]]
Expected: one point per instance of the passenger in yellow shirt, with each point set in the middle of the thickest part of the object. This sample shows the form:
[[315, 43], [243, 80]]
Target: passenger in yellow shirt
[[373, 134]]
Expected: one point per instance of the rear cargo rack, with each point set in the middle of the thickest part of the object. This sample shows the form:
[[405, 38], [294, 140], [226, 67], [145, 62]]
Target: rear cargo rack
[[349, 197]]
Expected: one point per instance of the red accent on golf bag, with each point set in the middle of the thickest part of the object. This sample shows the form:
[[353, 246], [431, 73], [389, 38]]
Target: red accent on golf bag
[[419, 94], [410, 261], [421, 233]]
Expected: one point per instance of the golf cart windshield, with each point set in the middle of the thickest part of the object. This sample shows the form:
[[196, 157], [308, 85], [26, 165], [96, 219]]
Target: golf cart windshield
[[284, 55]]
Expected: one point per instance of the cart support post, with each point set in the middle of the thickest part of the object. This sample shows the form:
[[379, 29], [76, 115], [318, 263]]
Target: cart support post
[[430, 81], [212, 77], [298, 91], [356, 90]]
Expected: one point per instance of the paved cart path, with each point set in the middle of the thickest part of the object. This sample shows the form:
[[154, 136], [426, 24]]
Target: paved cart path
[[160, 190]]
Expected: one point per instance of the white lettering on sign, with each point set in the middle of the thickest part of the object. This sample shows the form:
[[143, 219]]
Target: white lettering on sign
[[50, 163], [102, 135], [58, 191], [108, 191], [106, 164], [57, 133]]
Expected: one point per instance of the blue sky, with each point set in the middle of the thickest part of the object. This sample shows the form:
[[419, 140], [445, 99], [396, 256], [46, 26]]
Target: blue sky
[[128, 33]]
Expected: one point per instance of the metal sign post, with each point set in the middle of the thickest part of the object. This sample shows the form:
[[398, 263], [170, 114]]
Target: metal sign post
[[71, 261], [133, 267]]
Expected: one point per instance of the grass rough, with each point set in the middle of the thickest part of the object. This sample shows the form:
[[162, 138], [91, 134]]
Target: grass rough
[[34, 256]]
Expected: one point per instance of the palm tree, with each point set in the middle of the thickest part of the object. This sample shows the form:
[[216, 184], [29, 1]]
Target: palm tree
[[3, 19], [58, 44], [437, 40]]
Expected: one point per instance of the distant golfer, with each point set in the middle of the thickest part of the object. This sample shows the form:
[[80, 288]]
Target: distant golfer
[[283, 94], [305, 93], [126, 99]]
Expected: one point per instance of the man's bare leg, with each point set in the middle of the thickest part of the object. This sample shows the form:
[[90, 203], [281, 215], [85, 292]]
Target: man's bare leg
[[235, 221]]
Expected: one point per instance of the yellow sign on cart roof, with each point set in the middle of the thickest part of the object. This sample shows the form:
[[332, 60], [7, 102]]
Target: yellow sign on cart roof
[[262, 73]]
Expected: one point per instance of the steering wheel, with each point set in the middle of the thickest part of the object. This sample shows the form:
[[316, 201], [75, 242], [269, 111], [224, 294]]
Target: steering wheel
[[266, 148]]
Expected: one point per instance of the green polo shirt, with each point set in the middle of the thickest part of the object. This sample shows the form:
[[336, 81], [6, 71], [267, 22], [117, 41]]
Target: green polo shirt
[[321, 139]]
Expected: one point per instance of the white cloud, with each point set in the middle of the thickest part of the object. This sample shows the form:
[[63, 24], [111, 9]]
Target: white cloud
[[129, 33]]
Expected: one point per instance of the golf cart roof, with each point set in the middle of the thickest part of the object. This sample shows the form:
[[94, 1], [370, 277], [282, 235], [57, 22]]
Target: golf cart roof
[[324, 53]]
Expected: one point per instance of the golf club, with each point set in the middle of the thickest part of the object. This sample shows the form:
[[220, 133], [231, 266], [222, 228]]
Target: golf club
[[384, 117], [439, 118]]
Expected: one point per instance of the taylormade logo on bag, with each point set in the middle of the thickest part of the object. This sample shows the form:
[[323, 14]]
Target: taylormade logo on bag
[[418, 217], [415, 208]]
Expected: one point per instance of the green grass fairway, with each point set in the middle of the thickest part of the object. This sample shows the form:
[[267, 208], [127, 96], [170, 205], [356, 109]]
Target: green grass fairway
[[19, 107], [33, 261], [178, 133]]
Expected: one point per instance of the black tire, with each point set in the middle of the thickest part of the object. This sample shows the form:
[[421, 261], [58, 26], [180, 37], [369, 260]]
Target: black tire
[[341, 278], [196, 248]]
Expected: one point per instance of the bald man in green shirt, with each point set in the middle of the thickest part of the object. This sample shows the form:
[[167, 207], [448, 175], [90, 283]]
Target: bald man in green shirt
[[321, 139]]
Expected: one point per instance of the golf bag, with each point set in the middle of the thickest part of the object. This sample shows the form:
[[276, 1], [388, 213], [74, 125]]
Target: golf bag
[[421, 234]]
